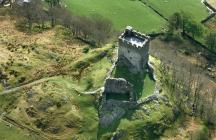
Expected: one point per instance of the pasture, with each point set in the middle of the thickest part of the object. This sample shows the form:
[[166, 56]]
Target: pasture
[[137, 13], [120, 12], [167, 7]]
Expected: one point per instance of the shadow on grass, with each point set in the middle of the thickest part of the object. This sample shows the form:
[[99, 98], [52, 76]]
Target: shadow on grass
[[121, 97], [136, 79], [107, 133], [109, 130]]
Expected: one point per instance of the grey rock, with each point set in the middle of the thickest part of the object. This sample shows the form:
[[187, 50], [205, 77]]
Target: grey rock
[[146, 110], [117, 135]]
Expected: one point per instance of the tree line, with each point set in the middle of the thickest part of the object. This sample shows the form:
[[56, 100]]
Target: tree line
[[94, 29], [181, 23], [188, 91]]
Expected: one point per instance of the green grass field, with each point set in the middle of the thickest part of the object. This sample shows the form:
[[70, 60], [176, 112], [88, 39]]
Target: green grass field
[[167, 7], [120, 12], [136, 13]]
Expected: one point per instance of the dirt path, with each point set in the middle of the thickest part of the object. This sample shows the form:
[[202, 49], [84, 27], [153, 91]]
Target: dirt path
[[12, 90], [27, 85]]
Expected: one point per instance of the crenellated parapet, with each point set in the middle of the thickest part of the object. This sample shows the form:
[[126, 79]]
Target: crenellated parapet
[[140, 39]]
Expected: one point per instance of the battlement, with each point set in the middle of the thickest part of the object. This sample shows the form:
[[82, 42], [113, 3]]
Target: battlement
[[133, 38]]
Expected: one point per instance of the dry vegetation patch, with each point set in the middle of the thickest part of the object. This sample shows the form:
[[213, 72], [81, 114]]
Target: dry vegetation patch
[[56, 110], [190, 128], [212, 2], [30, 57], [211, 24]]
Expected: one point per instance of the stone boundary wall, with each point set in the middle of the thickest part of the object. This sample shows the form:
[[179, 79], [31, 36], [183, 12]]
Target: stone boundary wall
[[161, 15], [109, 74], [211, 8], [208, 18], [197, 42]]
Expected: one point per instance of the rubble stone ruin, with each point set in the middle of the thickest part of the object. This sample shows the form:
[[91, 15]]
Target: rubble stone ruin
[[133, 50], [119, 86]]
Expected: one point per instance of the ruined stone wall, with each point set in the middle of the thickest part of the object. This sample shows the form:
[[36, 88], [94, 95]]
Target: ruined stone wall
[[118, 86]]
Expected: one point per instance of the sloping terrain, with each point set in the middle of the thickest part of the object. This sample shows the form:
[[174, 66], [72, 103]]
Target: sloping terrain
[[26, 58], [43, 79], [185, 56]]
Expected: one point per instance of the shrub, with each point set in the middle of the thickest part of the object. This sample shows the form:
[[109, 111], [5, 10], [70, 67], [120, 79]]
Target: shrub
[[82, 65], [1, 88], [202, 134], [89, 83], [85, 50]]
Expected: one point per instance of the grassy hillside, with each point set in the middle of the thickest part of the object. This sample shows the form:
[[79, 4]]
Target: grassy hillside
[[6, 131], [56, 107], [120, 12]]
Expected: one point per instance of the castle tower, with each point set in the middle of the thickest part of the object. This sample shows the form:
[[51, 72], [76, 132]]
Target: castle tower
[[133, 50]]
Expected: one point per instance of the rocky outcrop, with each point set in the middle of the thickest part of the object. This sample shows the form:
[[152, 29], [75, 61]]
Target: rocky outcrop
[[118, 134]]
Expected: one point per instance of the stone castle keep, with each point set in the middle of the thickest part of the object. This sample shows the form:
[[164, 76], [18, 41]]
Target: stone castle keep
[[133, 50], [119, 94]]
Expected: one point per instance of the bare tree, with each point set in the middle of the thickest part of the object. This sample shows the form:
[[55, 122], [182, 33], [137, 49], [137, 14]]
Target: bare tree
[[54, 6], [27, 13]]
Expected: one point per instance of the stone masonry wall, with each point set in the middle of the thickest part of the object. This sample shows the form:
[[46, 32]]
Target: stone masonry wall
[[138, 57], [132, 56], [118, 86]]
